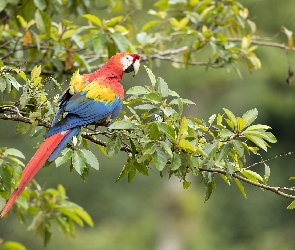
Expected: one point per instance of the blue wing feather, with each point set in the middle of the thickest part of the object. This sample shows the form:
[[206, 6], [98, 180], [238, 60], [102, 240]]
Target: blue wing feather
[[83, 110]]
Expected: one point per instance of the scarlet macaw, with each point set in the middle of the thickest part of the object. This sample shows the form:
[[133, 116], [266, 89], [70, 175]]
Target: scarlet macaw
[[90, 98]]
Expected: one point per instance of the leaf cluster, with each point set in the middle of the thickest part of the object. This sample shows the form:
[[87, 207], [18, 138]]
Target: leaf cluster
[[43, 32], [44, 206], [153, 132]]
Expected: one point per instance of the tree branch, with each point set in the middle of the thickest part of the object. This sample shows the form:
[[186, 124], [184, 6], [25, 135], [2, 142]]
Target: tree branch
[[276, 190], [264, 43], [13, 114]]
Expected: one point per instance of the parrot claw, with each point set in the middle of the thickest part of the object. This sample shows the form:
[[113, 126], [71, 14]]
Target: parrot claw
[[109, 123]]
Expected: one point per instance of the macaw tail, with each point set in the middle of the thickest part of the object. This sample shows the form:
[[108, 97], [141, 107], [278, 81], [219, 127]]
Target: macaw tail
[[47, 151]]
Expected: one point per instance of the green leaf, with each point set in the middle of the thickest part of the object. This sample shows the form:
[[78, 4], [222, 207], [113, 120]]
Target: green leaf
[[239, 148], [90, 158], [185, 144], [40, 4], [149, 25], [160, 158], [114, 145], [141, 168], [153, 97], [224, 151], [12, 245], [13, 81], [131, 174], [15, 160], [186, 184], [79, 162], [241, 187], [6, 178], [229, 168], [121, 41], [113, 21], [225, 133], [167, 148], [3, 4], [257, 141], [145, 106], [98, 41], [2, 84], [83, 215], [93, 19], [43, 22], [180, 105], [183, 128], [232, 119], [154, 132], [173, 93], [22, 201], [211, 119], [163, 87], [61, 190], [47, 236], [249, 117], [251, 175], [168, 130], [206, 11], [66, 153], [149, 149], [266, 173], [268, 136], [14, 152], [22, 128], [151, 76], [71, 215], [62, 223], [134, 113], [169, 112], [176, 161], [102, 149], [210, 149], [292, 205], [122, 125], [37, 131], [36, 71], [208, 178], [137, 90], [258, 127], [126, 169], [67, 34]]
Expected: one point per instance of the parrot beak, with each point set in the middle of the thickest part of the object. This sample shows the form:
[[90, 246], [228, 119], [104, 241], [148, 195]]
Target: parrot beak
[[136, 65]]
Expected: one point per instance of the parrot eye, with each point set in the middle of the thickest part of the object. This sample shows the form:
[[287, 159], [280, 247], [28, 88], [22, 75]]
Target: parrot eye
[[130, 64], [127, 62]]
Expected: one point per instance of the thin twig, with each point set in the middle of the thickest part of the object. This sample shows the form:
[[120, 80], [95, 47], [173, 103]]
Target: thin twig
[[125, 148], [265, 44], [276, 190]]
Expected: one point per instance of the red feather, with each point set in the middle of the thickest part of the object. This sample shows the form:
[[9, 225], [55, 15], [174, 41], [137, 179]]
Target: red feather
[[37, 161]]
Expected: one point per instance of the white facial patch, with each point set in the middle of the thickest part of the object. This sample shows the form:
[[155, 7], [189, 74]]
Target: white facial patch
[[126, 61]]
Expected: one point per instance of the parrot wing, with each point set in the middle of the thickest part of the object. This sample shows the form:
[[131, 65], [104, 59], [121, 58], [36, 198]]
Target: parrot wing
[[86, 104]]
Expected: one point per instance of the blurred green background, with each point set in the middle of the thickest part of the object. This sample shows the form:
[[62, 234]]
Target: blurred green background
[[156, 213]]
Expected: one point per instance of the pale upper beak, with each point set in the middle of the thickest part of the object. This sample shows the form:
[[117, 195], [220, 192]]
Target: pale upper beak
[[136, 65]]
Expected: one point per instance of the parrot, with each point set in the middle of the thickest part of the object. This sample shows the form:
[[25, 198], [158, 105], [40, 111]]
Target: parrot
[[90, 98]]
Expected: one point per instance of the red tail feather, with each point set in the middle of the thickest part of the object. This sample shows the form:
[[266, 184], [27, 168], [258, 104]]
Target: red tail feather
[[34, 166]]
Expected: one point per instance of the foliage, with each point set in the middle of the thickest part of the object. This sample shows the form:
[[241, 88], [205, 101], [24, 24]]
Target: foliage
[[152, 130], [177, 31], [11, 245], [44, 206]]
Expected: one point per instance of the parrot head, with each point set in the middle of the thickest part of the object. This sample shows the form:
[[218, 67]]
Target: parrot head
[[130, 62]]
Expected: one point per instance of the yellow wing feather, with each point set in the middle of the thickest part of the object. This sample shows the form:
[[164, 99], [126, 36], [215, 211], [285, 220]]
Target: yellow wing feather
[[93, 90]]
